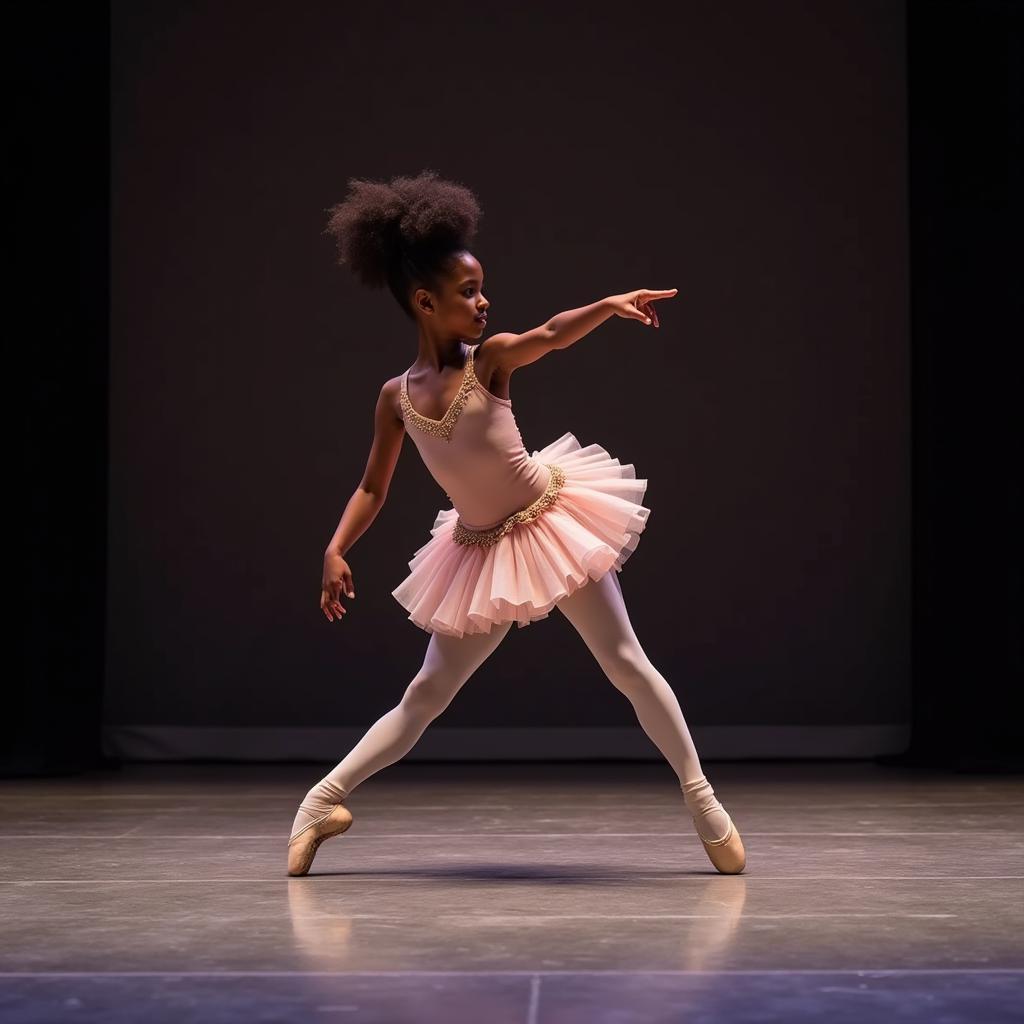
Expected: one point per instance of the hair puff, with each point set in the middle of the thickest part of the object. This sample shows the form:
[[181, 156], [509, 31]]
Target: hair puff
[[401, 233]]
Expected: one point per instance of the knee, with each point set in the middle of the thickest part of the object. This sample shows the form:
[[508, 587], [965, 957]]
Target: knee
[[430, 693], [628, 668]]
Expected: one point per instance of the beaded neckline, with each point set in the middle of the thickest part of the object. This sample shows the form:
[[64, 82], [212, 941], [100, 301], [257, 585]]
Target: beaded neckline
[[444, 426]]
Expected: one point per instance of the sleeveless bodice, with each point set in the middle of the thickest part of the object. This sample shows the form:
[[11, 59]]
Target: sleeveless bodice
[[476, 453]]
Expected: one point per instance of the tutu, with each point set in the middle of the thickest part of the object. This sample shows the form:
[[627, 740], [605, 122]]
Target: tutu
[[592, 525]]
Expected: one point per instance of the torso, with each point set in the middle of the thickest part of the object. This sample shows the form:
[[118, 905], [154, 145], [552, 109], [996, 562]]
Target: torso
[[473, 448]]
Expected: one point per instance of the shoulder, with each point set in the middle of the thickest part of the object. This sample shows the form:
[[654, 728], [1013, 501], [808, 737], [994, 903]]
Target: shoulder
[[488, 367], [389, 398], [489, 352], [493, 346], [507, 352]]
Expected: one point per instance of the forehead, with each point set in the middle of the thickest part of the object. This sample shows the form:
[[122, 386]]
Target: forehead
[[465, 268]]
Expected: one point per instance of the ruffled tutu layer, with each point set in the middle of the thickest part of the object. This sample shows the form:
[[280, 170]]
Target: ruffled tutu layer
[[593, 525]]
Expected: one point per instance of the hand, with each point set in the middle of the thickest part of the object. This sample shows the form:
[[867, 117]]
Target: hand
[[639, 305], [337, 577]]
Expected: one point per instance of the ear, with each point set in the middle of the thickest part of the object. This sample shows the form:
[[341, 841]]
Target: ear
[[423, 300]]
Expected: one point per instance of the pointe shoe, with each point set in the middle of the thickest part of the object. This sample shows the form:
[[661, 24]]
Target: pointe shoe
[[303, 845], [727, 854]]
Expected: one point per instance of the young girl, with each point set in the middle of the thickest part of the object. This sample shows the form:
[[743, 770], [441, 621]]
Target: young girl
[[526, 532]]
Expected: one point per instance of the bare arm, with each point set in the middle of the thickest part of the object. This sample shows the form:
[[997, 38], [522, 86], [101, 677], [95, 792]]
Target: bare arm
[[360, 512], [566, 328], [366, 501]]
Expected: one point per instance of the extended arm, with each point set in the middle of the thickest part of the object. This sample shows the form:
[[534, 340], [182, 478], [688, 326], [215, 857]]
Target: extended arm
[[566, 328]]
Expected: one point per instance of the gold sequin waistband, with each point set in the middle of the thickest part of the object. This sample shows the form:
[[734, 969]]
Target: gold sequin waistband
[[485, 538]]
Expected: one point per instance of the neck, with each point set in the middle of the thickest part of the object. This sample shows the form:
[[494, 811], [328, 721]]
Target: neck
[[439, 354]]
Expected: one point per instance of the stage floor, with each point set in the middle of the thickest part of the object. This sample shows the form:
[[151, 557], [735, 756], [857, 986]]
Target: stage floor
[[524, 893]]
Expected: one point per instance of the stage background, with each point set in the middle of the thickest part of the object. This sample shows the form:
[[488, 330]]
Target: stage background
[[752, 155]]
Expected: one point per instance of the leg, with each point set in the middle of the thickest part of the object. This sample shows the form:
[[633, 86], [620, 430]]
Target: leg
[[448, 664], [598, 613]]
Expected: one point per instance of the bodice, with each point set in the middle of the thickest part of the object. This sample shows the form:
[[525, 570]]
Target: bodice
[[476, 454]]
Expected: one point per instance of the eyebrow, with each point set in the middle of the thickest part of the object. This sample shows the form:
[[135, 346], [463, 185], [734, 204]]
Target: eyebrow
[[470, 280]]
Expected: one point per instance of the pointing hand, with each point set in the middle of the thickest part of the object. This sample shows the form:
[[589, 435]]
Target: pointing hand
[[639, 304]]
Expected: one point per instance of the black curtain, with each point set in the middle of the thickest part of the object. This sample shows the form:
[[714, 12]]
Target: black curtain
[[57, 362], [965, 178]]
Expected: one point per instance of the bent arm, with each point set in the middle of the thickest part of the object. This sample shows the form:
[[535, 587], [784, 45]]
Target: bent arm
[[369, 497]]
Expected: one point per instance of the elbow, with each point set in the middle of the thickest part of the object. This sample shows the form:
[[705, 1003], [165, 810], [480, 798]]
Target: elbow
[[371, 494], [553, 338]]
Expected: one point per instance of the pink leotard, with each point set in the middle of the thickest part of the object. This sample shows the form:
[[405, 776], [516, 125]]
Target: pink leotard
[[476, 453]]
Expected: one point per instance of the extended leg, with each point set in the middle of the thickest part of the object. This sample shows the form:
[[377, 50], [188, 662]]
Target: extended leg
[[598, 613], [447, 665]]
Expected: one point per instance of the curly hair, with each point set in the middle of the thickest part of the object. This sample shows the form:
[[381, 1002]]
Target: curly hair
[[402, 233]]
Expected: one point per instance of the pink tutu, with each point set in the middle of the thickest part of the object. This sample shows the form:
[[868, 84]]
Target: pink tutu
[[593, 525]]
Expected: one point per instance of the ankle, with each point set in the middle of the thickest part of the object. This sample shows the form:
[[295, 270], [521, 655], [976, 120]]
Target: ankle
[[698, 793], [317, 804], [708, 814], [325, 795]]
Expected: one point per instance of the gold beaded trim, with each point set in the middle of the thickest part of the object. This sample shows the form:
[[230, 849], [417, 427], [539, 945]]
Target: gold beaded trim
[[444, 426], [485, 538]]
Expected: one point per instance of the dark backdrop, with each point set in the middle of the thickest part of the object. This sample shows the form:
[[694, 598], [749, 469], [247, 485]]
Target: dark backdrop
[[754, 159], [752, 155]]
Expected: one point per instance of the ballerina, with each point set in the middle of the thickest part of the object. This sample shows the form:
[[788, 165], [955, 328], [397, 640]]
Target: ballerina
[[526, 532]]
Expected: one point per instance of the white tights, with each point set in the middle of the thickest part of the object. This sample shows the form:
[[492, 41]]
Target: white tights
[[598, 613]]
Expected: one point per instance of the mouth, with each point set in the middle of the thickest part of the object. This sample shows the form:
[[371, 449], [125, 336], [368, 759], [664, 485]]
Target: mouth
[[481, 319]]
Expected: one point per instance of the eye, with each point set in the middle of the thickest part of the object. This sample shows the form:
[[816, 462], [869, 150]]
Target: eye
[[469, 290]]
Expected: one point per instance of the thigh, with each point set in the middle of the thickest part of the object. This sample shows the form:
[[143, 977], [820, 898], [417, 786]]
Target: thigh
[[451, 660], [597, 611]]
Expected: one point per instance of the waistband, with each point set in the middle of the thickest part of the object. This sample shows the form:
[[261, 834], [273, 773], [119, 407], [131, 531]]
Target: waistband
[[485, 538]]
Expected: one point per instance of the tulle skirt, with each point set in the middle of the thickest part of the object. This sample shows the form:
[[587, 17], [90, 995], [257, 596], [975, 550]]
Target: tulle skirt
[[593, 525]]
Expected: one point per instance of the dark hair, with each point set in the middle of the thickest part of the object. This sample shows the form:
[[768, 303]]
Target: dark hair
[[403, 233]]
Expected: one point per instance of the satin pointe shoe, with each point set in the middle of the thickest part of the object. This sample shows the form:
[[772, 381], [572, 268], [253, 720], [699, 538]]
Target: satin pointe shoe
[[726, 854], [328, 818]]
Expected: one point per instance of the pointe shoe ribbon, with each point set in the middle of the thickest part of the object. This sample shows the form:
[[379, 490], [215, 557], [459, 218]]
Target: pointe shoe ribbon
[[331, 818], [726, 854]]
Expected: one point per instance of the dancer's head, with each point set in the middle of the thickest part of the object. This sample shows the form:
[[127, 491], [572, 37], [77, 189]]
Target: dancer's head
[[413, 235]]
